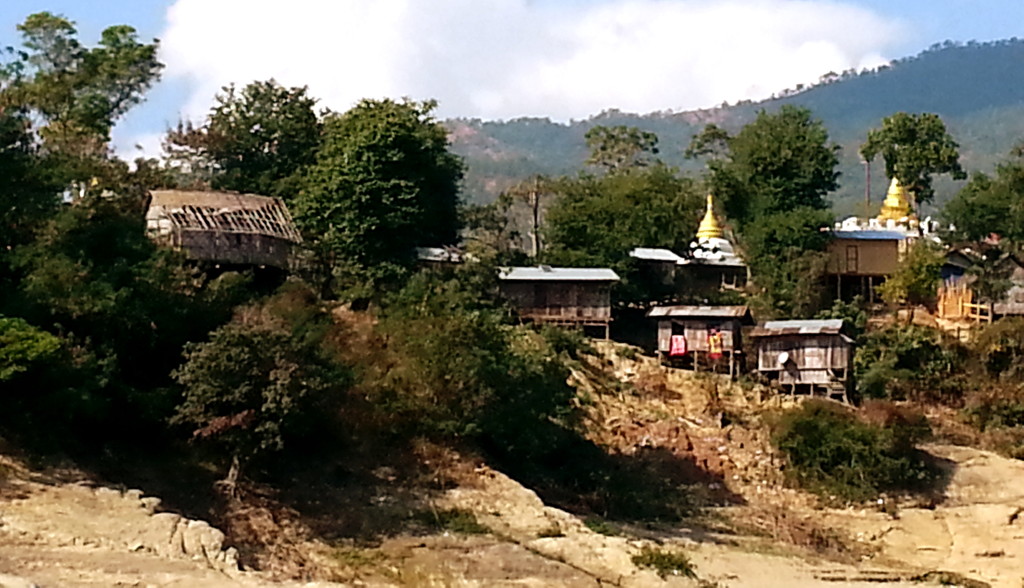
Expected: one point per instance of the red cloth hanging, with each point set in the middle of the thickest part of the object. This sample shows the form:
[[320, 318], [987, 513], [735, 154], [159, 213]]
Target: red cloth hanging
[[677, 346]]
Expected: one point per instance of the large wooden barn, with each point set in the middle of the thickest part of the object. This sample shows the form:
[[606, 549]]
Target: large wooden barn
[[561, 295], [806, 356], [224, 228]]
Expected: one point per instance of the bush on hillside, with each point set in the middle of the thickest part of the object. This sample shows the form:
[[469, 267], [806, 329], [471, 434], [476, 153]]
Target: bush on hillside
[[457, 370], [910, 363], [833, 452], [1000, 348], [262, 379]]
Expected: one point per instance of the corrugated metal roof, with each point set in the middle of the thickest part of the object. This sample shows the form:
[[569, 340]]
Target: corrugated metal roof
[[564, 274], [654, 254], [871, 235], [799, 327], [439, 254], [725, 261], [698, 311]]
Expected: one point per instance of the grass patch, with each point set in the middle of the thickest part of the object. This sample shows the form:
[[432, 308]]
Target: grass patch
[[602, 527], [453, 520], [665, 562]]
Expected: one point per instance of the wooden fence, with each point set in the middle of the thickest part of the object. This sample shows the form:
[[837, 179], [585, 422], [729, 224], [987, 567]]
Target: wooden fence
[[956, 301]]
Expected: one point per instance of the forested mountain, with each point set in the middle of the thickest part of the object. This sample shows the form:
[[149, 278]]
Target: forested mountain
[[977, 88]]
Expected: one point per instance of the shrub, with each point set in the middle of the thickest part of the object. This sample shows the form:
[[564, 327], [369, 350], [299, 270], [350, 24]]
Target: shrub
[[833, 452], [457, 370], [260, 379], [910, 362], [665, 562], [1000, 348], [454, 520]]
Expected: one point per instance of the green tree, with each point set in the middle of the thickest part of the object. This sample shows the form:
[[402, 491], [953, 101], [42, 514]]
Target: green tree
[[772, 178], [22, 346], [787, 259], [620, 147], [258, 382], [79, 92], [27, 198], [383, 183], [459, 371], [914, 147], [259, 139], [991, 205], [779, 162], [917, 277], [597, 220]]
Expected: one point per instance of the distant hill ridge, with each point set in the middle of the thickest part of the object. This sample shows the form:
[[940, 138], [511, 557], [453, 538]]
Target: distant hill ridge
[[977, 88]]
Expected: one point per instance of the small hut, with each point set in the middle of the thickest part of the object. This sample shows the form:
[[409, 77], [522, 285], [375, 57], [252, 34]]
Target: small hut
[[701, 336], [227, 228], [806, 356], [561, 295]]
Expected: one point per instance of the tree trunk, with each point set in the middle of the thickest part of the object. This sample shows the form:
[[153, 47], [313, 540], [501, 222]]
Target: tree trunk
[[229, 485], [535, 201]]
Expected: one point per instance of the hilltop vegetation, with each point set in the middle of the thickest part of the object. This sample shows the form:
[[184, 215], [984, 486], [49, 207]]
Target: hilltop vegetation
[[976, 88]]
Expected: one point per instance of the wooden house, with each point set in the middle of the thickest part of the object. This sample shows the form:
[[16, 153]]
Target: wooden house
[[560, 295], [701, 337], [806, 356], [860, 260], [224, 228], [658, 265]]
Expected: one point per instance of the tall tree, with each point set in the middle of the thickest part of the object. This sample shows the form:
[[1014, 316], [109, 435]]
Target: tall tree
[[79, 92], [915, 147], [598, 220], [620, 147], [259, 139], [772, 178], [531, 192], [779, 162], [991, 204], [383, 183]]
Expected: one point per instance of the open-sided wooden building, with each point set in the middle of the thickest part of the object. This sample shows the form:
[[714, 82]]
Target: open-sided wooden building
[[224, 228], [701, 337], [561, 295], [812, 356]]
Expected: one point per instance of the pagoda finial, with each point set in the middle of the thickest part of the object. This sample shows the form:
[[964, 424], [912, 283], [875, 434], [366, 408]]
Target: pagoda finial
[[709, 227], [897, 203]]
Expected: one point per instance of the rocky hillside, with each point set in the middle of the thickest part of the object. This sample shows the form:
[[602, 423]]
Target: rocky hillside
[[479, 527], [977, 88]]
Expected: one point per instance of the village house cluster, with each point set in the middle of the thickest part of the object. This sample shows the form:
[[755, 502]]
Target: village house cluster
[[801, 356]]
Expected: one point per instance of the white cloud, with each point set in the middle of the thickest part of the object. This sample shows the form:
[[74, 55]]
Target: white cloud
[[509, 58]]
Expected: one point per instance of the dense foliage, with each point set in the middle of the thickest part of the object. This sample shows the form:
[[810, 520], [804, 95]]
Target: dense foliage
[[833, 452], [597, 220], [462, 372], [383, 184], [773, 177], [914, 147], [259, 139], [910, 363]]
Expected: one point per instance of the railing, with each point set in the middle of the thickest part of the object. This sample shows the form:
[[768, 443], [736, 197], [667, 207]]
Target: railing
[[980, 313]]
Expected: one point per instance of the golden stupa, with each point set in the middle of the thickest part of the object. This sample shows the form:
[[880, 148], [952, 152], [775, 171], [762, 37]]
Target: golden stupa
[[709, 227], [897, 203]]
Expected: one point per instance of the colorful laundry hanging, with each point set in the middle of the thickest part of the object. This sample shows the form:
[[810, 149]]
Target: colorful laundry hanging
[[677, 346]]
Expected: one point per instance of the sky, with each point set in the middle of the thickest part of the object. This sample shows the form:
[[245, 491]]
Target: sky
[[502, 59]]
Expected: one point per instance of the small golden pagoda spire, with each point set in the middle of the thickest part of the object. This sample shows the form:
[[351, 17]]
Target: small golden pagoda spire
[[897, 203], [709, 227]]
